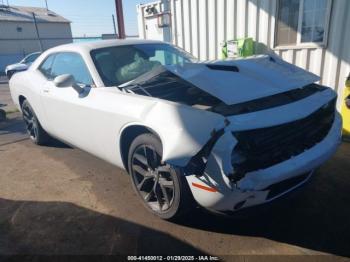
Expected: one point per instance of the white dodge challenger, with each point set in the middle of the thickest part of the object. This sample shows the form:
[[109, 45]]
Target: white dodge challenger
[[224, 135]]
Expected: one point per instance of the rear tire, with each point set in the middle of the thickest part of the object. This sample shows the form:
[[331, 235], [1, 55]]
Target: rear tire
[[36, 133], [162, 188]]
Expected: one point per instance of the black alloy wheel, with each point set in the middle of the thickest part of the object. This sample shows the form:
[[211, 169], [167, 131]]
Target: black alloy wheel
[[162, 188], [36, 133]]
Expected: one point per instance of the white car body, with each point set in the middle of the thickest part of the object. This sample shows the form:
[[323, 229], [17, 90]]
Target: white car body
[[96, 121]]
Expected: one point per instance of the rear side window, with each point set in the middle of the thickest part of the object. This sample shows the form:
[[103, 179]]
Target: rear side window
[[46, 66], [71, 63]]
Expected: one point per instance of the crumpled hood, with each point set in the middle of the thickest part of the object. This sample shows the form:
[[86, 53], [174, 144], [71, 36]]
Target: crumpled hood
[[249, 79]]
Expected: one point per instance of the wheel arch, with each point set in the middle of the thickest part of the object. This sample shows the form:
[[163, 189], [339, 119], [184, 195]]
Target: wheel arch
[[127, 136]]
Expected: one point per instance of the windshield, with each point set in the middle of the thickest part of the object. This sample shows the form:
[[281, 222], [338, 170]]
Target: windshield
[[30, 58], [120, 64]]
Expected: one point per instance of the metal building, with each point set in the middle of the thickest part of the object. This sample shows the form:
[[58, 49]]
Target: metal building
[[313, 34], [20, 35]]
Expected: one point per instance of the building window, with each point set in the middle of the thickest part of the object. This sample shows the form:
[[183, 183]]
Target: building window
[[19, 29], [301, 22]]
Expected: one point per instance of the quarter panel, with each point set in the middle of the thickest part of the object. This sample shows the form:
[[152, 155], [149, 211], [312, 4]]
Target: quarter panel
[[29, 84]]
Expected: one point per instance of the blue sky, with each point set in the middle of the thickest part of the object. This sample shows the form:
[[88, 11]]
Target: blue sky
[[89, 17]]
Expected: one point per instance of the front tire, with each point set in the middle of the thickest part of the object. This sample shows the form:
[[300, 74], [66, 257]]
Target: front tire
[[36, 133], [162, 188]]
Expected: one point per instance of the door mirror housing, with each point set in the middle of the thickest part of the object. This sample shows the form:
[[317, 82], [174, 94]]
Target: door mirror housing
[[67, 80], [64, 80]]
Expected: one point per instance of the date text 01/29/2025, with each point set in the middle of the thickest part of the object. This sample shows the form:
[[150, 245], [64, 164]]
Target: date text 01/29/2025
[[173, 258]]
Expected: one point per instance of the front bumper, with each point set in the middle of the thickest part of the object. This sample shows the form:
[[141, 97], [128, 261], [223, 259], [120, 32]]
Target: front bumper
[[255, 187]]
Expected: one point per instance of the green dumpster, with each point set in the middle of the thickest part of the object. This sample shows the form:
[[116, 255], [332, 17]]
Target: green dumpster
[[241, 47]]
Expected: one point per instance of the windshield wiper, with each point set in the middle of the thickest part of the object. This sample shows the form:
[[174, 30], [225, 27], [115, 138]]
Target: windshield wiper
[[131, 88], [143, 78]]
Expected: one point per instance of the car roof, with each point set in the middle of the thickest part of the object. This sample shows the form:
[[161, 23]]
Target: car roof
[[88, 46]]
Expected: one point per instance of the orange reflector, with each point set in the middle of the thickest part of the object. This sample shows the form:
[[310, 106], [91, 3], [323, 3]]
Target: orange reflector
[[210, 189]]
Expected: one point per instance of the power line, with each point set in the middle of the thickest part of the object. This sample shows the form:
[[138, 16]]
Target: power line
[[37, 32]]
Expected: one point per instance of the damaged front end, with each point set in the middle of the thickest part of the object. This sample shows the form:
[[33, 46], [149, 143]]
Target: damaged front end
[[237, 184], [276, 129], [255, 166]]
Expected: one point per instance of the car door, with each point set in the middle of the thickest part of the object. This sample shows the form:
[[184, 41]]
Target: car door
[[67, 112]]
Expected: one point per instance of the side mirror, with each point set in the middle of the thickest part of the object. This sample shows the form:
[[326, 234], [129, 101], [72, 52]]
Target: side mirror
[[67, 80]]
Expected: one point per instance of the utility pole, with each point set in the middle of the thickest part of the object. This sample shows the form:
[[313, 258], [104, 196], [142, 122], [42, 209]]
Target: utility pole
[[37, 32], [120, 19], [115, 29]]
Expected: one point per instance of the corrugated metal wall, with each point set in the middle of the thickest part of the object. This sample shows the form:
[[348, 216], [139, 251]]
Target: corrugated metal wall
[[200, 26]]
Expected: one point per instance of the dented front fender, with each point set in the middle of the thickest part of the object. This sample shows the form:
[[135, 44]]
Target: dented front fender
[[183, 130]]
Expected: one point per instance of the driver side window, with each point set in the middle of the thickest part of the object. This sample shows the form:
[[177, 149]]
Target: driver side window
[[71, 63], [66, 63]]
